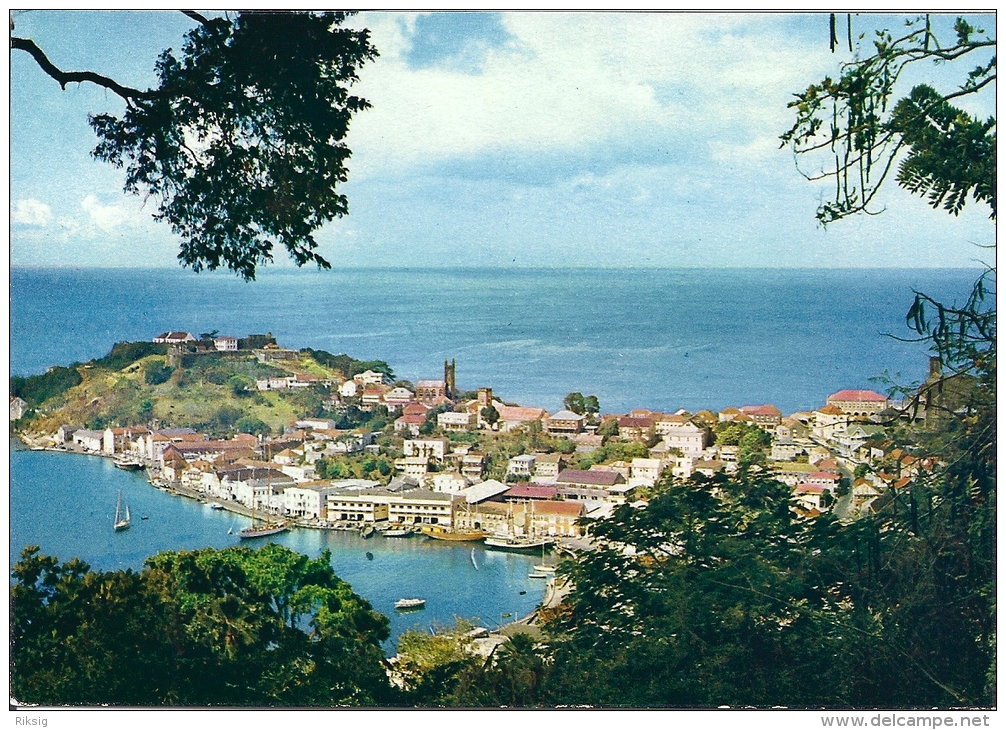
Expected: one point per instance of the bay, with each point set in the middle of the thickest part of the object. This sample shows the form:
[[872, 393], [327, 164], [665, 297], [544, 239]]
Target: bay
[[660, 339], [65, 503]]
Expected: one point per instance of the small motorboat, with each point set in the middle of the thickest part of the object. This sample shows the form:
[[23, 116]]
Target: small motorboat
[[145, 517], [370, 556], [410, 604], [522, 593], [537, 575], [366, 531], [216, 505]]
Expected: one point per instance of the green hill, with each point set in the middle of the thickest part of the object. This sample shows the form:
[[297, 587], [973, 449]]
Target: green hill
[[214, 392]]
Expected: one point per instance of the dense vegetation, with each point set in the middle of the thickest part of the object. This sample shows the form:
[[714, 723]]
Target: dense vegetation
[[37, 389], [209, 627], [347, 365], [210, 391]]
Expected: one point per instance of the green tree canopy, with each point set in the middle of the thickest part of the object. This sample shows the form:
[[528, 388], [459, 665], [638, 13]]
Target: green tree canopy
[[242, 142], [205, 627]]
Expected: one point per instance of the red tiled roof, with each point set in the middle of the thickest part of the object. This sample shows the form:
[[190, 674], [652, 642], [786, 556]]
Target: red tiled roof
[[634, 422], [529, 491], [904, 481], [810, 489], [412, 418], [831, 410], [866, 396], [568, 509], [520, 413], [415, 409], [823, 475], [765, 410]]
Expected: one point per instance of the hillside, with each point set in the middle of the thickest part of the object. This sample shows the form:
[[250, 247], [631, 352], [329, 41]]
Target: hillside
[[212, 392]]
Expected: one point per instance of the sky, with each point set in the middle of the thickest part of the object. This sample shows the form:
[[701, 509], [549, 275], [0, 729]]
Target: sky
[[601, 139]]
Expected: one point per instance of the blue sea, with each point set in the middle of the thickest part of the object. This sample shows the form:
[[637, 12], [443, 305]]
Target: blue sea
[[661, 339], [636, 338]]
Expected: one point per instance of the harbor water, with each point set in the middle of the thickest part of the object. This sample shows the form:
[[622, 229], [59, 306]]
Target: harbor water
[[65, 503]]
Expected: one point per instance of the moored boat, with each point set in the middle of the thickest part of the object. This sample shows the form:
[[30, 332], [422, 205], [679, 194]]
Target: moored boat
[[128, 463], [398, 532], [513, 543], [538, 574], [410, 604], [261, 531], [442, 533], [216, 505]]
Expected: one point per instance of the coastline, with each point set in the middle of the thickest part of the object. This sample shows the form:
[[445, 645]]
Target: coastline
[[554, 590]]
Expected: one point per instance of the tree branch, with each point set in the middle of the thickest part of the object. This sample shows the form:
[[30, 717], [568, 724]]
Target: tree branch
[[69, 77], [196, 16]]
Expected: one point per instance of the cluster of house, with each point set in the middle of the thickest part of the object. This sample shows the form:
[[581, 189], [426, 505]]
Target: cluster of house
[[443, 482]]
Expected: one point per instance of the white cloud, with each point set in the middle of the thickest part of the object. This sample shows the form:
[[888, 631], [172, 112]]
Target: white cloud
[[32, 212], [105, 217], [571, 81]]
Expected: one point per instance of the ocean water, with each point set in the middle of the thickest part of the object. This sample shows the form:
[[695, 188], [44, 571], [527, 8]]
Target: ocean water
[[661, 339], [65, 503]]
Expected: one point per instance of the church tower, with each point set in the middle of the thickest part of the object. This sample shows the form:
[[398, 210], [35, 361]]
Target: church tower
[[449, 378]]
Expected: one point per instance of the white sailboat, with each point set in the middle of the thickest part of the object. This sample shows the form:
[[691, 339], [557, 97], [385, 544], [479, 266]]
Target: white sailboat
[[121, 519]]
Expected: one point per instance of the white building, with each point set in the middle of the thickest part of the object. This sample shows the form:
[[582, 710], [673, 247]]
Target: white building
[[429, 448]]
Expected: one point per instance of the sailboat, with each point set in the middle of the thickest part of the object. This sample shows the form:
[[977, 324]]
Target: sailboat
[[544, 567], [121, 519], [266, 529]]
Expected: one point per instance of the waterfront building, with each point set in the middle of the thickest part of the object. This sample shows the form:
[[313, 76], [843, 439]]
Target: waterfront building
[[555, 519], [120, 440], [64, 434], [357, 505], [524, 492], [490, 489], [858, 402], [226, 344], [307, 501], [89, 440], [423, 507]]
